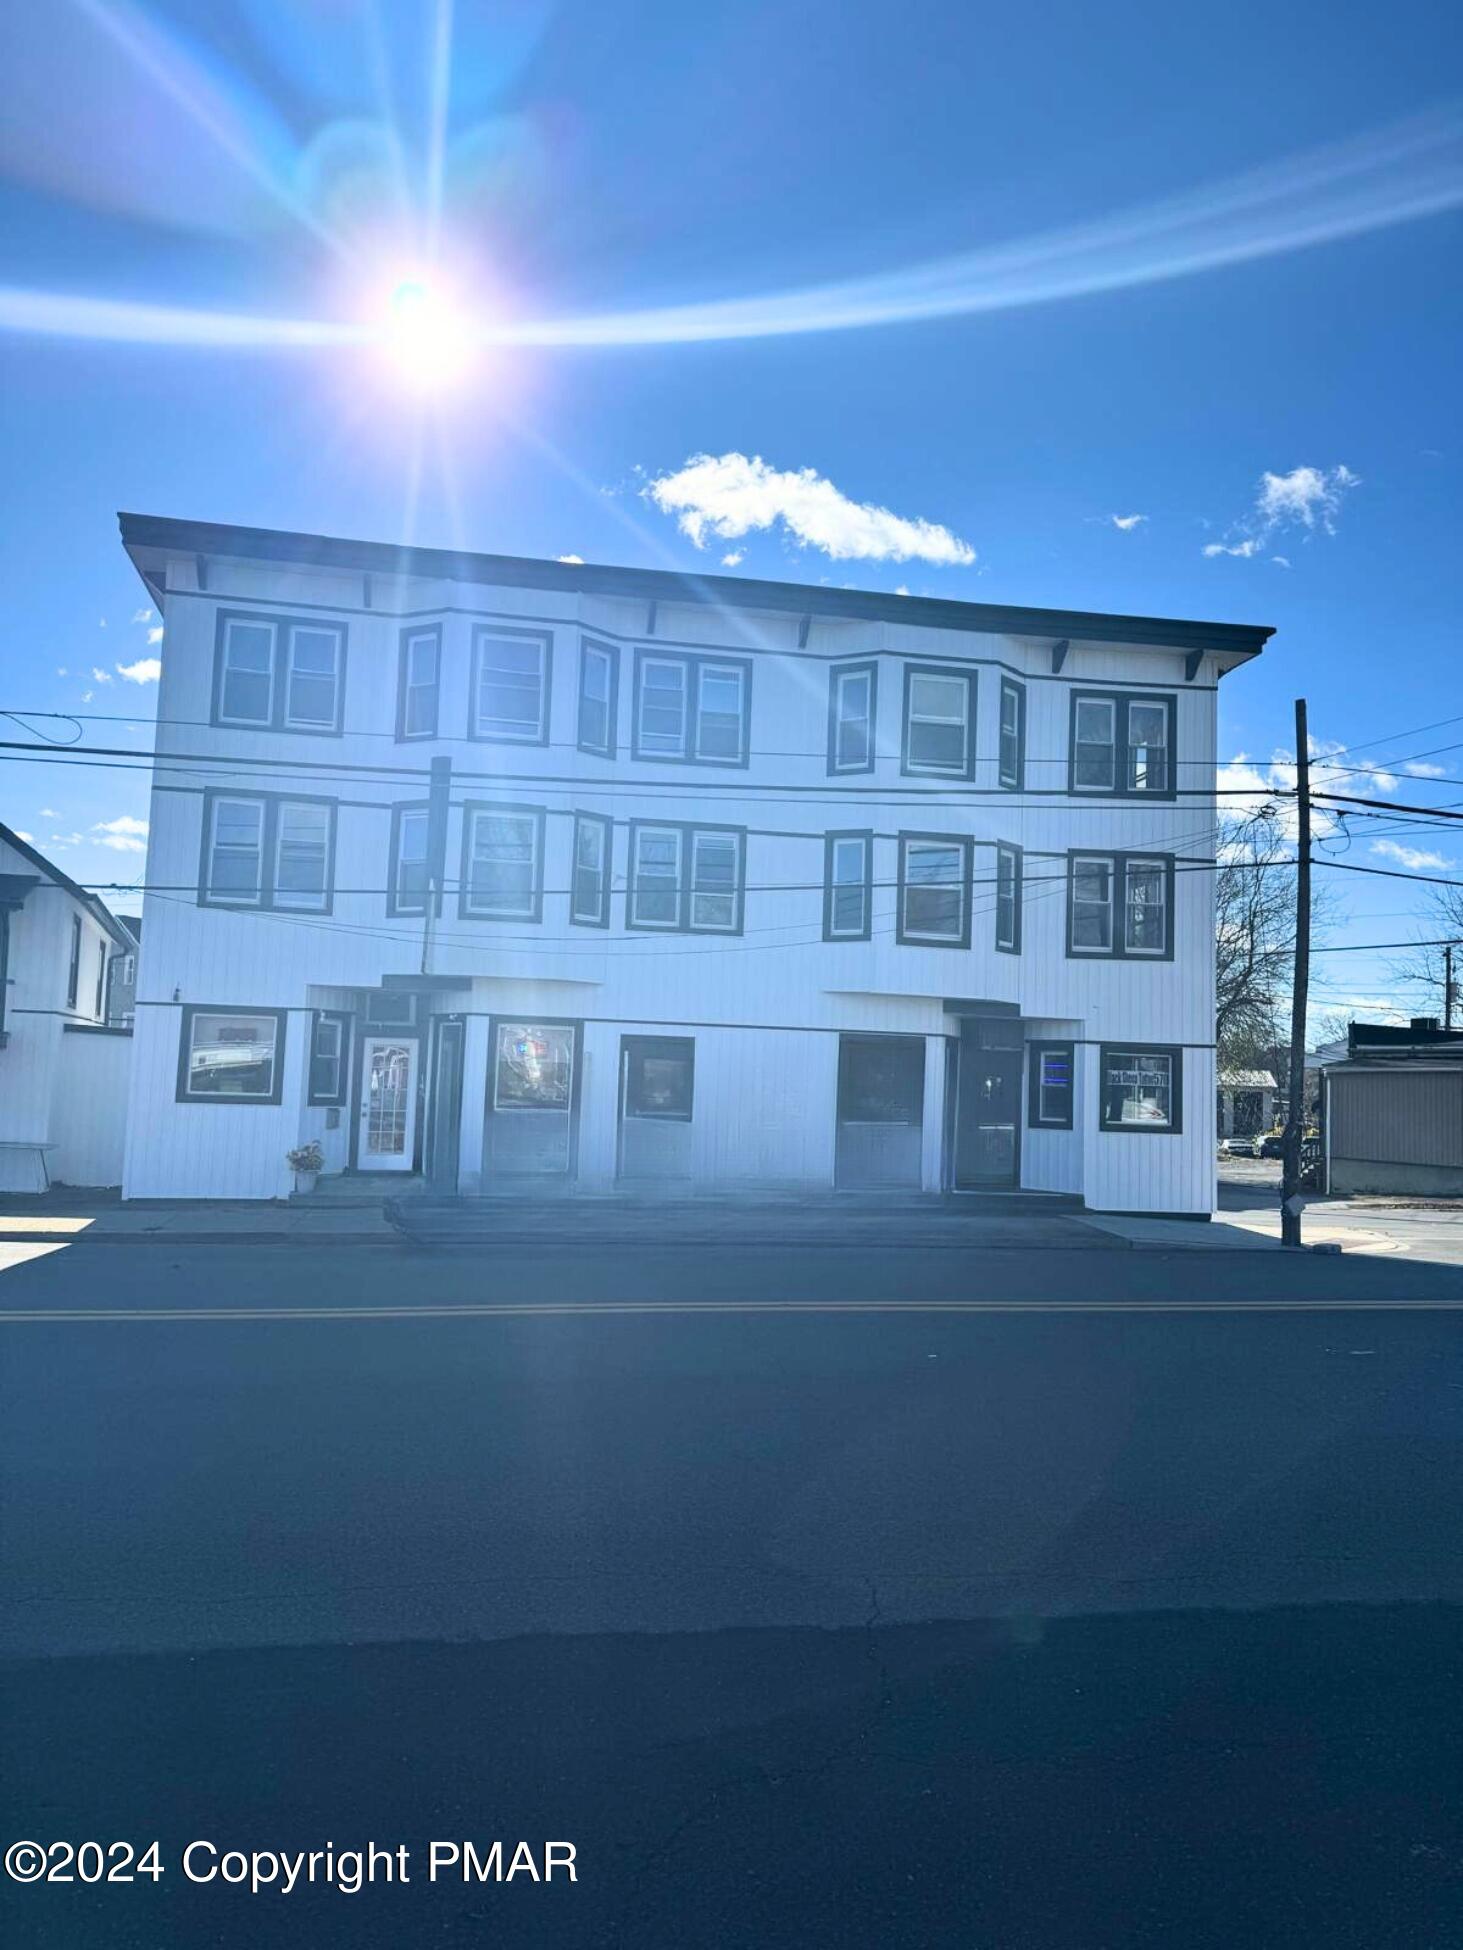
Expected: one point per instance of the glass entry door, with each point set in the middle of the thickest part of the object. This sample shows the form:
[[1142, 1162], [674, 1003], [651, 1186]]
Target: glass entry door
[[388, 1120], [988, 1104]]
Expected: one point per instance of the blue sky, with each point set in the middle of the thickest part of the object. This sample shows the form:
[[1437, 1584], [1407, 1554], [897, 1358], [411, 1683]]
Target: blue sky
[[1031, 178]]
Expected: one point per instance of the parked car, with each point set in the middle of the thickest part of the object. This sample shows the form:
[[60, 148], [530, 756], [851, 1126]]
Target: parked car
[[1272, 1145], [1238, 1147]]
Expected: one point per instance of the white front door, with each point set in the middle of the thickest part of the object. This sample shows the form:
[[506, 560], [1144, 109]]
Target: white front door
[[388, 1103]]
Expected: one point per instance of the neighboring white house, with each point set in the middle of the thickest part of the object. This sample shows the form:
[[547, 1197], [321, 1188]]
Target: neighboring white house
[[521, 875], [63, 1071], [1246, 1102]]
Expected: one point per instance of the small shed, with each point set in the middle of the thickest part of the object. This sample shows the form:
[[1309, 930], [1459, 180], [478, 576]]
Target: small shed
[[1392, 1110], [1246, 1102]]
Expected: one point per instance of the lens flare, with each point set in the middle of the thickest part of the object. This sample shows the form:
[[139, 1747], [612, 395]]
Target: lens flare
[[427, 340]]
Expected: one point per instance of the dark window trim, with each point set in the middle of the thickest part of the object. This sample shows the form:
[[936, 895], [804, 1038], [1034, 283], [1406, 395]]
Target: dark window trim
[[394, 903], [1015, 782], [340, 1096], [866, 835], [73, 973], [675, 1049], [377, 1025], [99, 1000], [1175, 1051], [185, 1043], [408, 636], [859, 667], [1018, 893], [967, 846], [465, 910], [481, 631], [686, 829], [1120, 951], [693, 663], [1121, 701], [607, 827], [612, 708], [280, 626], [1034, 1118], [268, 842], [972, 700]]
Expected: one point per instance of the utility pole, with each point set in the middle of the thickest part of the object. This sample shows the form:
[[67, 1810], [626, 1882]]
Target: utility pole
[[438, 796], [1448, 984], [1290, 1194]]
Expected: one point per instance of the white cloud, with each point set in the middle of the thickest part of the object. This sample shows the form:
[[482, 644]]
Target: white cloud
[[1281, 561], [101, 676], [1416, 858], [1423, 768], [902, 590], [123, 834], [155, 635], [65, 839], [734, 558], [142, 615], [21, 834], [49, 812], [146, 670], [569, 558], [101, 622], [1307, 498], [87, 696], [1246, 785], [731, 495], [1127, 522], [61, 671]]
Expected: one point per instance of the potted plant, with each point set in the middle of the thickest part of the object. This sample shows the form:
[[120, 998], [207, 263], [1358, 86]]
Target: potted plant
[[306, 1161]]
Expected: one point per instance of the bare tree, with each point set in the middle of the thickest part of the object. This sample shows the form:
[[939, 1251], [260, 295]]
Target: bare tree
[[1254, 901], [1423, 968]]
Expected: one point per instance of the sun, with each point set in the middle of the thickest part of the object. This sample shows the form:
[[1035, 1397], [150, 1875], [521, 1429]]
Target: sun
[[425, 336]]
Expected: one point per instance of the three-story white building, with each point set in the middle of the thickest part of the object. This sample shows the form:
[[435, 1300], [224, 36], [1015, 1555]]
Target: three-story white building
[[511, 874]]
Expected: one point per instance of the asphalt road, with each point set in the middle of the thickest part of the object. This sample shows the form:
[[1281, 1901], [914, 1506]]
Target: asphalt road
[[944, 1614]]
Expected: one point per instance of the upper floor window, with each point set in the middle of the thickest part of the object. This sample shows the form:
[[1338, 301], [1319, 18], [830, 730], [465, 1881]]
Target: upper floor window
[[1008, 899], [687, 878], [939, 721], [1142, 1087], [1123, 744], [279, 673], [598, 689], [510, 692], [503, 862], [692, 709], [1120, 904], [73, 971], [934, 889], [262, 850], [419, 684], [589, 902], [406, 892], [848, 886], [853, 695], [1011, 760]]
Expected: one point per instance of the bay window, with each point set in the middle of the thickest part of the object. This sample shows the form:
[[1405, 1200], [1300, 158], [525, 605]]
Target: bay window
[[598, 671], [406, 891], [934, 889], [694, 710], [502, 868], [853, 691], [510, 689], [848, 886], [939, 721], [419, 683], [589, 901]]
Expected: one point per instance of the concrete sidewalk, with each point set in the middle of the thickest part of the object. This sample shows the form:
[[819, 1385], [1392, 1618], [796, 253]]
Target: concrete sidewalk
[[587, 1224]]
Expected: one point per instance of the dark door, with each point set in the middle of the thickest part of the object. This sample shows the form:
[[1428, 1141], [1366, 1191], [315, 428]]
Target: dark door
[[881, 1107], [657, 1092], [988, 1105], [444, 1104]]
